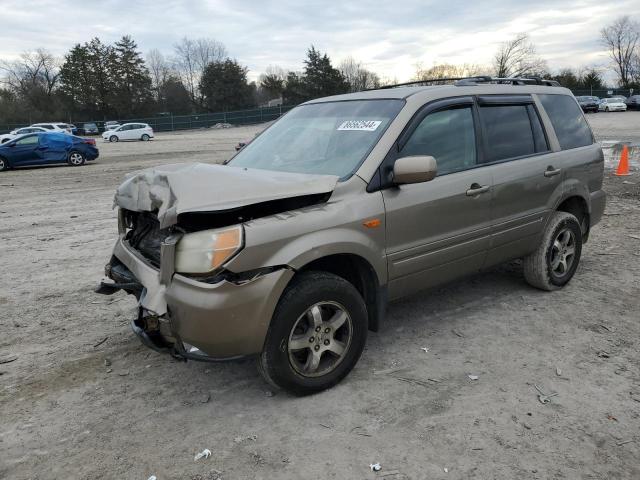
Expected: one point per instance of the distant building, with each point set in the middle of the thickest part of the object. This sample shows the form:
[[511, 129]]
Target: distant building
[[276, 102]]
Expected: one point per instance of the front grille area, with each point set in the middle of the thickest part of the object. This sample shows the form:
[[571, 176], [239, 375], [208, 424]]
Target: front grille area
[[144, 234]]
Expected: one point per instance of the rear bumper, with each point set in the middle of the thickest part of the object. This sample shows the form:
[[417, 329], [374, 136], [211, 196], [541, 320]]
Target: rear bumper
[[598, 204], [198, 320]]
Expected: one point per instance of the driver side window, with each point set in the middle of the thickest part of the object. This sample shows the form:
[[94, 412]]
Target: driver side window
[[448, 136], [32, 140]]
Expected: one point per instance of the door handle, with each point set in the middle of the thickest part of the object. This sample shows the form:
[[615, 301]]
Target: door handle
[[476, 189], [551, 172]]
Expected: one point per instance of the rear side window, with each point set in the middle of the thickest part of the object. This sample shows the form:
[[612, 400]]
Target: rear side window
[[511, 131], [448, 136], [567, 120]]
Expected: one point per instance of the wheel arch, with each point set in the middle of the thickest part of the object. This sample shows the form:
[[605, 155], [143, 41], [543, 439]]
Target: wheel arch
[[577, 206], [360, 273]]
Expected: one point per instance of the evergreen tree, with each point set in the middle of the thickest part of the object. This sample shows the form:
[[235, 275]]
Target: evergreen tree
[[102, 59], [224, 86], [295, 89], [174, 97], [132, 82], [320, 77], [592, 80], [272, 84]]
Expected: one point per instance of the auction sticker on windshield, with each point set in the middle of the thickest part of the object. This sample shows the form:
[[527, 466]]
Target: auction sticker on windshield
[[364, 125]]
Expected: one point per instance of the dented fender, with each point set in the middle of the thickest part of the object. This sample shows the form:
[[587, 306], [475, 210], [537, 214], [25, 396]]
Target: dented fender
[[298, 237]]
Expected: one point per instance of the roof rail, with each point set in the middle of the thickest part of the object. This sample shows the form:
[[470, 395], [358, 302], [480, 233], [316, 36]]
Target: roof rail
[[467, 81], [424, 82]]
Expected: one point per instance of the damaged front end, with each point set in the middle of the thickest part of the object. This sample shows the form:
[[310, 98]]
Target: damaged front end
[[173, 250]]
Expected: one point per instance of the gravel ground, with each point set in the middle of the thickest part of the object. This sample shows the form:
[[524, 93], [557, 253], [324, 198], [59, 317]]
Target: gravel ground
[[83, 399]]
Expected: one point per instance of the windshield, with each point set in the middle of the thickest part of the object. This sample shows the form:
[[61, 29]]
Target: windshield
[[326, 138]]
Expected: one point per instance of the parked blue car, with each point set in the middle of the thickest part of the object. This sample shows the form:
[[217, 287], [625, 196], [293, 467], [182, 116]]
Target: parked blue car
[[47, 148]]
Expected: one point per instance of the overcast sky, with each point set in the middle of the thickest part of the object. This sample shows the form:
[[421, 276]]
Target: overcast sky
[[389, 37]]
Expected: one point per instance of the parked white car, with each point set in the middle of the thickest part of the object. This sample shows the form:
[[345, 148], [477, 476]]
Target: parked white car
[[54, 127], [129, 131], [20, 131], [612, 105]]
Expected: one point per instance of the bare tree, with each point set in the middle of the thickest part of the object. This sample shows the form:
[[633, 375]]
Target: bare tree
[[159, 70], [622, 39], [518, 58], [34, 70], [191, 59], [358, 77], [32, 80], [446, 70]]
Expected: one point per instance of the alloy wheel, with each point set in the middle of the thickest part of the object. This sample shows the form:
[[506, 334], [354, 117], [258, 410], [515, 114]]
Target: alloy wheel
[[76, 158], [563, 252], [320, 339]]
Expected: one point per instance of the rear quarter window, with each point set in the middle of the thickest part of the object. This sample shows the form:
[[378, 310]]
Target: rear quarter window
[[568, 122]]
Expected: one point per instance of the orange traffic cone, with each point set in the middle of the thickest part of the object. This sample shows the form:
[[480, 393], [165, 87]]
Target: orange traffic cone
[[623, 165]]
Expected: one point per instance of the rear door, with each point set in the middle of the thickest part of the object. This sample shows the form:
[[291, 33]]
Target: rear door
[[525, 173], [438, 230], [57, 146]]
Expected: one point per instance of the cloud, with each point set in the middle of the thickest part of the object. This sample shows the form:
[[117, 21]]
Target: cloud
[[389, 37]]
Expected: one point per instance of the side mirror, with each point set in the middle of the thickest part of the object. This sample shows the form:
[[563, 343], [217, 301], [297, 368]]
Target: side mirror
[[416, 169]]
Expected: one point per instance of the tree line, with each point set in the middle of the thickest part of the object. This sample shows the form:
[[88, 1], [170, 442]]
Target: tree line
[[96, 80]]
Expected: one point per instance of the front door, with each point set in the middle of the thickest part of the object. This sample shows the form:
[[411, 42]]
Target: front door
[[439, 230], [26, 151]]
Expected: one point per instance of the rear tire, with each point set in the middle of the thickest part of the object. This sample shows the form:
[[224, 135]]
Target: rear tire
[[145, 138], [556, 259], [113, 138], [76, 159], [316, 336], [4, 164]]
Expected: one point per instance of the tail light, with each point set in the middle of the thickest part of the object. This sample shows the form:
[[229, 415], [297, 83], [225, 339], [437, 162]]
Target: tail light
[[89, 141]]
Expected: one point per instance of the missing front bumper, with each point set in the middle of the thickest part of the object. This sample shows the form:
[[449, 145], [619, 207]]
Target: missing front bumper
[[154, 340]]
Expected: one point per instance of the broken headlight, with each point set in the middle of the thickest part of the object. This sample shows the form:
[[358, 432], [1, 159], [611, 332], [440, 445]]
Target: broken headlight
[[205, 251]]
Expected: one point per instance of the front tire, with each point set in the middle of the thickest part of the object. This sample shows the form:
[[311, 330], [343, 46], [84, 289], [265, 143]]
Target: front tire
[[556, 259], [317, 334], [113, 138], [4, 164], [76, 159]]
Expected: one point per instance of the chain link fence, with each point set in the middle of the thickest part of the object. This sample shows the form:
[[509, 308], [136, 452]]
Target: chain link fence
[[170, 123]]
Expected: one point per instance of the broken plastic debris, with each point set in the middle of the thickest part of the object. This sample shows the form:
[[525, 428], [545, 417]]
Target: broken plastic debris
[[446, 470], [206, 453], [558, 371], [375, 467], [473, 377], [426, 349], [152, 477]]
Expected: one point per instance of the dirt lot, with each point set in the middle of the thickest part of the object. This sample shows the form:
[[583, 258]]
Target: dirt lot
[[83, 399]]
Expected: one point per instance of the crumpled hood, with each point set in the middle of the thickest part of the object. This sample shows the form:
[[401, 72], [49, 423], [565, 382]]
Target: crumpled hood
[[199, 187]]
